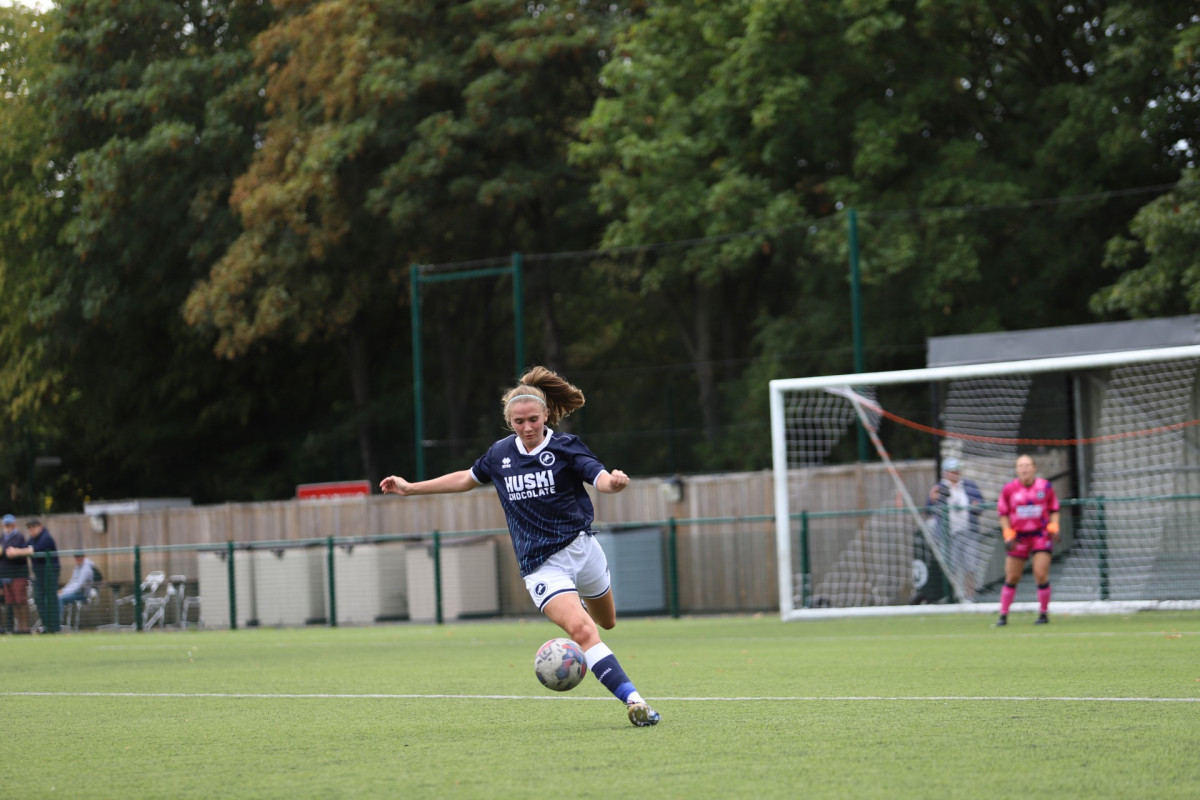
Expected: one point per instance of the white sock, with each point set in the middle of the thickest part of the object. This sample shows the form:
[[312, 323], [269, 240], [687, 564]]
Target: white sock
[[595, 653]]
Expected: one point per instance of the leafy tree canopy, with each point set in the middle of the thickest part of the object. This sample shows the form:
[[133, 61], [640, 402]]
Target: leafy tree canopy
[[209, 213]]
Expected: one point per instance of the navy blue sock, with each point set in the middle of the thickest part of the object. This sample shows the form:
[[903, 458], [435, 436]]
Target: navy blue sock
[[607, 669]]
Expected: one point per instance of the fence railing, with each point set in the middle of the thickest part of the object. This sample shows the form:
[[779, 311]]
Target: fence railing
[[1112, 547], [669, 567]]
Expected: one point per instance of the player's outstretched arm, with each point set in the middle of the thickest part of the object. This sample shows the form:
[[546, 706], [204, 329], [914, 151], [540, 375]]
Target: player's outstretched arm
[[460, 481], [611, 482]]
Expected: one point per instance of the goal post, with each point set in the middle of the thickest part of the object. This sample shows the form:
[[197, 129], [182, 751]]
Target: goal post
[[1117, 434]]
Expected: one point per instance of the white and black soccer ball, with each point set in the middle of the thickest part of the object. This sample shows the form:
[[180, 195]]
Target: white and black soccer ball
[[559, 664]]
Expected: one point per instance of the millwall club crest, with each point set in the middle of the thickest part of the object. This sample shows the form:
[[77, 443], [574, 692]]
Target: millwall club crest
[[546, 458]]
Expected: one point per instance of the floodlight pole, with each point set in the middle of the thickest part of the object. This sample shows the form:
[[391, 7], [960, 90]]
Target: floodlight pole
[[418, 386], [518, 271]]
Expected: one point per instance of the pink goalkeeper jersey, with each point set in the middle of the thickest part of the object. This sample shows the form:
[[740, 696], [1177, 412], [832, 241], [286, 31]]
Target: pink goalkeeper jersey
[[1028, 508]]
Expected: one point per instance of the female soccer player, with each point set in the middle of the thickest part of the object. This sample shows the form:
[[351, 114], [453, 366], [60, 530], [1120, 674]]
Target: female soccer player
[[1028, 510], [539, 476]]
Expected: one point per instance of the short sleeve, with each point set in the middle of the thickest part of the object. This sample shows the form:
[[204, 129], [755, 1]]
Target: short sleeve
[[481, 470]]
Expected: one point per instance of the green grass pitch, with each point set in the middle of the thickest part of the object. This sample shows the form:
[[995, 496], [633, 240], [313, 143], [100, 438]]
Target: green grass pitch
[[908, 707]]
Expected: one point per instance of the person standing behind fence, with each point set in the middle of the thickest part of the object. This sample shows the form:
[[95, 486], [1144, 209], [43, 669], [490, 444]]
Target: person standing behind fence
[[15, 575], [1028, 509], [955, 503], [43, 552], [539, 476], [76, 590]]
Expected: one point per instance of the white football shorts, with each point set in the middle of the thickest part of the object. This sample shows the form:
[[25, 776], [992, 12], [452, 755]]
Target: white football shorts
[[579, 567]]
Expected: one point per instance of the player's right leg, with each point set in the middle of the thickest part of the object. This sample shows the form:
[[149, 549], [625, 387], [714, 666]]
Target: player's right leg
[[1041, 573], [1014, 565], [565, 611], [556, 586]]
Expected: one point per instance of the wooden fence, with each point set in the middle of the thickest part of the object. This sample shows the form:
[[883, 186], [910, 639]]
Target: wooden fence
[[723, 526]]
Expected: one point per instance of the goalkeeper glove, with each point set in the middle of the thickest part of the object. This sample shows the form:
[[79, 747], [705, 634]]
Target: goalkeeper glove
[[1009, 534], [1052, 528]]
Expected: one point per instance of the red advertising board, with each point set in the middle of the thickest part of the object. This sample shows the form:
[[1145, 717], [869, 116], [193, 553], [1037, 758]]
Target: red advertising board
[[332, 491]]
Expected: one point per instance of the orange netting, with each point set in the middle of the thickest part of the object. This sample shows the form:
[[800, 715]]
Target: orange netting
[[908, 423]]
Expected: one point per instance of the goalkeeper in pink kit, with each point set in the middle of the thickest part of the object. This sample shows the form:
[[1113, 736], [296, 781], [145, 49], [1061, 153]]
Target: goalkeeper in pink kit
[[1028, 509]]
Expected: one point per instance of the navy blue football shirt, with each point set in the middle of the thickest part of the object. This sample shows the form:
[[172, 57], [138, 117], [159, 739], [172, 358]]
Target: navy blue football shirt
[[542, 492]]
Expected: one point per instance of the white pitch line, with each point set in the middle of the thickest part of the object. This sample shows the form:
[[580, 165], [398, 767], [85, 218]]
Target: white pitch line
[[782, 699], [798, 640]]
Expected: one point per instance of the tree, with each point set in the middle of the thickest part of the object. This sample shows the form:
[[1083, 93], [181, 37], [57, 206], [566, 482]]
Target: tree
[[665, 147], [1016, 177], [401, 134], [147, 113], [1159, 271], [26, 229], [947, 125]]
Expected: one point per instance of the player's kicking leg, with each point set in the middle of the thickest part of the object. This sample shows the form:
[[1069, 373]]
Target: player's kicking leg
[[603, 612]]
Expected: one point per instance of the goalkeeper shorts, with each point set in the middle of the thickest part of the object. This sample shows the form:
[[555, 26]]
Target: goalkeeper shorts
[[1030, 543]]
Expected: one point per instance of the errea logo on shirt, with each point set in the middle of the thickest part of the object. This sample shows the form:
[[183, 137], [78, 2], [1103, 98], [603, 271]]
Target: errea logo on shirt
[[506, 463]]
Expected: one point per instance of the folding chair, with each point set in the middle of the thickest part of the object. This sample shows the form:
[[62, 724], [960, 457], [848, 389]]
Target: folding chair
[[154, 602], [73, 609], [183, 603], [188, 602]]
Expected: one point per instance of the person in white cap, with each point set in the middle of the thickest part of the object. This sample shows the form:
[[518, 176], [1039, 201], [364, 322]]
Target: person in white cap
[[955, 503]]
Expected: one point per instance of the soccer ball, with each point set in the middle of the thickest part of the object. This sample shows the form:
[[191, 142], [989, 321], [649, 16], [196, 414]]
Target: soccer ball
[[559, 664]]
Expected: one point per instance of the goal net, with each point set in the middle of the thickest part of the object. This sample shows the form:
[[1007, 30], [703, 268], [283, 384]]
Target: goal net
[[867, 523]]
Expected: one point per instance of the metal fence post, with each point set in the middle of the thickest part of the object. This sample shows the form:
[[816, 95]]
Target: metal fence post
[[437, 574], [673, 565], [232, 586], [805, 568], [137, 587], [332, 584], [1102, 546]]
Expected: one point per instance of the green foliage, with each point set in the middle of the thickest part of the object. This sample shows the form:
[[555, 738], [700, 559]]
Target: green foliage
[[144, 113], [1159, 273], [944, 126], [209, 214]]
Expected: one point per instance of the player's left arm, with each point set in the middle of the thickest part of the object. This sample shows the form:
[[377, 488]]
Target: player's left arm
[[611, 482], [1052, 526], [585, 465]]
